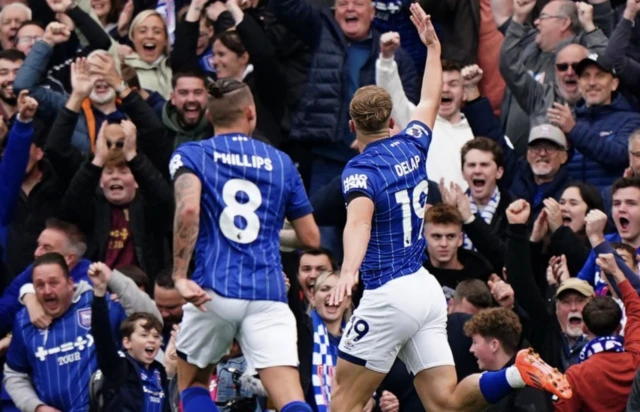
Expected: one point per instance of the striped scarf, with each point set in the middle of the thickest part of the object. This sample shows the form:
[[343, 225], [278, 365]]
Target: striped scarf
[[486, 214], [323, 363], [602, 344]]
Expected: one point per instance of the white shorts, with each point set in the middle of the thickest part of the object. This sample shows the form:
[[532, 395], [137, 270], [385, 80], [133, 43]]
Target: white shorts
[[405, 318], [266, 331]]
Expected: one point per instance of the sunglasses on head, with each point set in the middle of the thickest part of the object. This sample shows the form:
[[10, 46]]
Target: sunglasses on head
[[563, 67]]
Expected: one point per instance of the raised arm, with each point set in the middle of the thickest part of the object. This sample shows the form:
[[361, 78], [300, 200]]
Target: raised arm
[[427, 108]]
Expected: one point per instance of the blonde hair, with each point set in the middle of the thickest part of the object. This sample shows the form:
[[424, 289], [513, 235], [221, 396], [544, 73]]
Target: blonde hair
[[141, 17], [320, 281], [370, 109]]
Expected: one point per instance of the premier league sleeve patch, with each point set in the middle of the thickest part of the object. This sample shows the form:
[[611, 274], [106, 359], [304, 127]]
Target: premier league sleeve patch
[[84, 318]]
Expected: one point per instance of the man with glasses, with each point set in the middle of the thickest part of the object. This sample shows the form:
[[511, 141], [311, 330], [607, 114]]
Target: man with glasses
[[602, 124], [528, 58]]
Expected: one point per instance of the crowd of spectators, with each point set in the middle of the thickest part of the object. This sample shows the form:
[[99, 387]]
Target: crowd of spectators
[[533, 206]]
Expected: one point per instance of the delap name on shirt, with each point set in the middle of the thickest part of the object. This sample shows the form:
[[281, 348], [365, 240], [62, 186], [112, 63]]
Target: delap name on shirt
[[234, 159], [408, 166]]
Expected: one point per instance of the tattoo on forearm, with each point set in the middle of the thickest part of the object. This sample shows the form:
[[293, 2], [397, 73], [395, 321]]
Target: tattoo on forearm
[[185, 228]]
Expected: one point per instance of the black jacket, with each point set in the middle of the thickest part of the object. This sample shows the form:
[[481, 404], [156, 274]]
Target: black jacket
[[490, 239], [475, 266], [29, 217], [151, 213], [123, 391]]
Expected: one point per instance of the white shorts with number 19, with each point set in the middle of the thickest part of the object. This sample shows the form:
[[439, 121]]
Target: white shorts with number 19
[[266, 331], [405, 318]]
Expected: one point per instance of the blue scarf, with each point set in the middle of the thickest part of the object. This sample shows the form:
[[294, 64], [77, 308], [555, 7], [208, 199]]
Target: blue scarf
[[323, 363], [602, 344], [486, 214]]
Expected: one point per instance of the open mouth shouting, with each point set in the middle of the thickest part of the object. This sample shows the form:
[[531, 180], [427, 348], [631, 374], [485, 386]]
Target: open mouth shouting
[[446, 102], [623, 223]]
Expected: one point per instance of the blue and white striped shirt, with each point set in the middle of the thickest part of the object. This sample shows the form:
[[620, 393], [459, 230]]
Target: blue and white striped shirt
[[247, 189], [61, 358], [392, 173]]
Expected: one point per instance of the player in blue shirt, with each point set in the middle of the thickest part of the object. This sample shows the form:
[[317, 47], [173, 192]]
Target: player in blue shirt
[[403, 312], [51, 368], [232, 196]]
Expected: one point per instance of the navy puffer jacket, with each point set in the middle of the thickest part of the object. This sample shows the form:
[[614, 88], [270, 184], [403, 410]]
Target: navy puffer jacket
[[600, 139], [323, 110]]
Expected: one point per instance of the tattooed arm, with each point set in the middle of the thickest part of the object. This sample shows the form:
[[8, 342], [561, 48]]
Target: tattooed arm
[[187, 189]]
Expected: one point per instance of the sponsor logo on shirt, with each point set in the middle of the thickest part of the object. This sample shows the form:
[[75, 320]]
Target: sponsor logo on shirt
[[79, 345], [417, 131], [175, 164], [358, 181]]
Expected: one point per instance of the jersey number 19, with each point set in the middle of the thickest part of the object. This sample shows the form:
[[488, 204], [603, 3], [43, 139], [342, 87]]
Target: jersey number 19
[[407, 203]]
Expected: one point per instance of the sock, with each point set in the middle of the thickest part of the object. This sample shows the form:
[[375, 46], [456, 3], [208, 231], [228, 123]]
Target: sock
[[197, 399], [494, 385], [514, 378], [295, 406]]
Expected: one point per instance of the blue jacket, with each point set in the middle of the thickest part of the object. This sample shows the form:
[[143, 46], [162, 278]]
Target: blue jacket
[[525, 187], [600, 139], [12, 168], [10, 304], [323, 111]]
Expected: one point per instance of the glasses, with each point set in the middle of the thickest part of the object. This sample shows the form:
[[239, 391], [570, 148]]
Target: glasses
[[563, 67], [28, 39], [545, 16]]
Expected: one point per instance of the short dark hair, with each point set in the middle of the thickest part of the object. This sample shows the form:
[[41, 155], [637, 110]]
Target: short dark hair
[[319, 251], [483, 144], [77, 239], [12, 55], [443, 214], [191, 72], [627, 248], [232, 41], [228, 99], [625, 182], [498, 323], [589, 194], [136, 274], [164, 278], [451, 66], [475, 291], [128, 326], [602, 316], [52, 258]]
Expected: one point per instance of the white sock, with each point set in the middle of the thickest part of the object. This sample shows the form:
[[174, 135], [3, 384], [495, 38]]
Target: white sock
[[514, 378]]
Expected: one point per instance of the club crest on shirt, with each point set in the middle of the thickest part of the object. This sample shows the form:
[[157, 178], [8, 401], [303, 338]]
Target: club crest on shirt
[[416, 131], [84, 318]]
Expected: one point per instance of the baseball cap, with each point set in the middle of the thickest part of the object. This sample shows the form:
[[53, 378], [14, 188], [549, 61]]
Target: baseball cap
[[595, 59], [548, 132], [577, 285]]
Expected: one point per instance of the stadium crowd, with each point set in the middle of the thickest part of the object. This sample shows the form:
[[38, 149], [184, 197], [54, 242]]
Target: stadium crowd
[[533, 201]]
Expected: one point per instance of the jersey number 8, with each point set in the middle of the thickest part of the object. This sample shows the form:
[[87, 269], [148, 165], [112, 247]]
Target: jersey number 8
[[235, 209], [402, 198]]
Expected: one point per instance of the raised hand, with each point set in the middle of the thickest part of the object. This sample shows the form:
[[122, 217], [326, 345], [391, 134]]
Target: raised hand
[[100, 275], [423, 24], [101, 150], [518, 212], [560, 115], [595, 223], [389, 43], [82, 81], [130, 136], [125, 18], [192, 293], [59, 6], [37, 315], [462, 202], [502, 292], [103, 65], [554, 215], [585, 16], [27, 106], [540, 227], [522, 9], [471, 76], [608, 264], [631, 10], [56, 33], [215, 9]]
